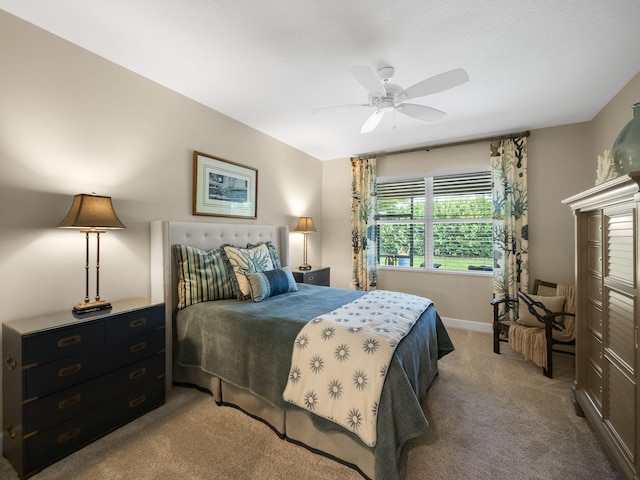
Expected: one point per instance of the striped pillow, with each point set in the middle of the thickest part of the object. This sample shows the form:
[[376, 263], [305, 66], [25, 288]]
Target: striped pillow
[[202, 276]]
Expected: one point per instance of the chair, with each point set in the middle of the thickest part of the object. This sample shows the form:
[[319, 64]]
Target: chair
[[545, 319]]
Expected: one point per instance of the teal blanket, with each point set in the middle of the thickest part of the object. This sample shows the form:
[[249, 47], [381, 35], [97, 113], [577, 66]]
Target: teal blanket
[[250, 344]]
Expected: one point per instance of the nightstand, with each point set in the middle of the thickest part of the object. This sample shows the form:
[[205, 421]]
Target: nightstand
[[70, 379], [316, 276]]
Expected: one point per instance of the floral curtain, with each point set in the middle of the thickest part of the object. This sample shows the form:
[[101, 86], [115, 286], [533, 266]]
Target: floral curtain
[[510, 222], [363, 239]]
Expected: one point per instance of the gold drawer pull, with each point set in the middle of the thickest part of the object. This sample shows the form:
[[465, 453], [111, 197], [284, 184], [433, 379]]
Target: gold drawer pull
[[11, 432], [68, 435], [65, 342], [11, 363], [139, 322], [69, 402], [137, 347], [70, 370], [137, 373], [137, 401]]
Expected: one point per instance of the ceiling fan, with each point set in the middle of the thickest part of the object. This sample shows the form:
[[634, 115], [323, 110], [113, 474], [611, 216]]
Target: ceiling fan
[[387, 97]]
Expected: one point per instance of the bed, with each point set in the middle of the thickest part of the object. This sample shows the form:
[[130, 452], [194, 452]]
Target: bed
[[256, 385]]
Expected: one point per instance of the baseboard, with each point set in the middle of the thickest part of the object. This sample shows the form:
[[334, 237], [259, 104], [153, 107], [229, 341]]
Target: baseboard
[[467, 325]]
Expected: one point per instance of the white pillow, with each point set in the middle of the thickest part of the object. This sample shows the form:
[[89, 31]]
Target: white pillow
[[246, 260]]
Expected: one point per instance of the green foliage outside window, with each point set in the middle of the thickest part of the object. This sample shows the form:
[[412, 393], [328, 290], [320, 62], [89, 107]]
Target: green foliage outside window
[[401, 230]]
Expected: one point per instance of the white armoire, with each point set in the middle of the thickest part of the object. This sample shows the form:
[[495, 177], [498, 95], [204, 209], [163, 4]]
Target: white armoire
[[607, 308]]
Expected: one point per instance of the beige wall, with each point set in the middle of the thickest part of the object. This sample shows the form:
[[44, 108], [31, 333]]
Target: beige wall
[[72, 122], [613, 117], [562, 162], [560, 165]]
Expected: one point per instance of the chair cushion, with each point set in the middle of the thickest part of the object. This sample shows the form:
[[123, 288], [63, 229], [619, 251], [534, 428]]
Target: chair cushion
[[533, 308]]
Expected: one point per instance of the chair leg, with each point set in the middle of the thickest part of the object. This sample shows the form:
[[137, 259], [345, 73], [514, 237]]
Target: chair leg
[[548, 372], [496, 330]]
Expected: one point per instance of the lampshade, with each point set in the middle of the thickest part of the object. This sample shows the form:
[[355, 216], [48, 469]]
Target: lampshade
[[91, 211], [305, 225]]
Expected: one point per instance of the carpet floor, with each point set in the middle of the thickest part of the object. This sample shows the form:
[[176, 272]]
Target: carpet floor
[[491, 417]]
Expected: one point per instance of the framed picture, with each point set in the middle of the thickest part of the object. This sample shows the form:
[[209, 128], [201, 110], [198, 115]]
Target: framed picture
[[224, 189]]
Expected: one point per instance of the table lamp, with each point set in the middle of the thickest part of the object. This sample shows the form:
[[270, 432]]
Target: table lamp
[[91, 214], [305, 226]]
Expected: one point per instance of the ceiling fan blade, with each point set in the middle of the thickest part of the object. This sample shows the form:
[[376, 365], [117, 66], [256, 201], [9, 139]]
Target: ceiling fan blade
[[339, 107], [421, 112], [368, 79], [372, 122], [437, 83]]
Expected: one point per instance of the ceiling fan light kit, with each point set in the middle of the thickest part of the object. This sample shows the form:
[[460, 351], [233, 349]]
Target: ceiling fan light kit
[[388, 97]]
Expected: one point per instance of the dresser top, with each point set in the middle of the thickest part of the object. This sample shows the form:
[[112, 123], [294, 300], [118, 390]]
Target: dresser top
[[60, 319]]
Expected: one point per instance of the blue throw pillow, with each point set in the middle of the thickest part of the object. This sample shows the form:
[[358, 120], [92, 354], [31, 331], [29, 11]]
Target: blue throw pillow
[[271, 282]]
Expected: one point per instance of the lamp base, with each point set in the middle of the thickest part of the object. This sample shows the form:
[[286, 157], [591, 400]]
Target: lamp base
[[304, 266], [91, 306]]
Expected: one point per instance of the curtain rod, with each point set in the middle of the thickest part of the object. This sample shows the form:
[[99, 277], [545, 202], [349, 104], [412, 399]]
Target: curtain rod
[[451, 144]]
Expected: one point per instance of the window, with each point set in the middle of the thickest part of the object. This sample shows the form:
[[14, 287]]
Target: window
[[440, 221]]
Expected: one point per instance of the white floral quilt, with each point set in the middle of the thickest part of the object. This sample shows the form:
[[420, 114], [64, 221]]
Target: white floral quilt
[[340, 359]]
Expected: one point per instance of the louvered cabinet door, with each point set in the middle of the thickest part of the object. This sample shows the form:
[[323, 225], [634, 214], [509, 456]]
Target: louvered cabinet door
[[607, 343], [620, 336], [593, 354]]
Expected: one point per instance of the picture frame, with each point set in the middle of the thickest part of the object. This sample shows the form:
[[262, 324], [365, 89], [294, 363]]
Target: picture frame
[[224, 189]]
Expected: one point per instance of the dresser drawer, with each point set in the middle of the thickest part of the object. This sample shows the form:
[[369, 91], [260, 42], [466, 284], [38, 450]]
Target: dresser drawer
[[53, 409], [594, 227], [594, 262], [317, 276], [594, 389], [134, 323], [594, 289], [595, 352], [594, 314], [321, 277], [48, 446], [52, 377], [62, 342]]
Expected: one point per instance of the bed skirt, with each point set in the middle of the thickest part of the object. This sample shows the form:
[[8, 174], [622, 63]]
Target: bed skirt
[[293, 424]]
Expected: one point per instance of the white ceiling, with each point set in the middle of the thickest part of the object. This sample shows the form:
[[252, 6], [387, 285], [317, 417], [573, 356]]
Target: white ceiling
[[269, 63]]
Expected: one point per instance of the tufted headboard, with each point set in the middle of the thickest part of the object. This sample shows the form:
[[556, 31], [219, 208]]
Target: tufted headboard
[[205, 236]]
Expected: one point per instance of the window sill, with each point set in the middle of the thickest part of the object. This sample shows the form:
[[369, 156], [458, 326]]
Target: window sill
[[472, 273]]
